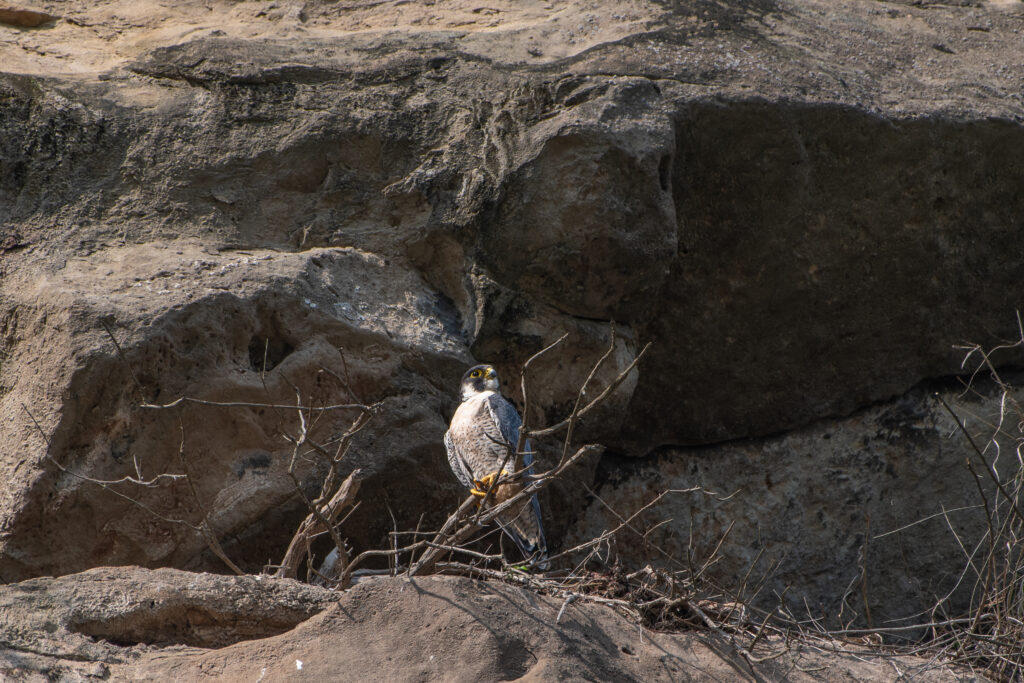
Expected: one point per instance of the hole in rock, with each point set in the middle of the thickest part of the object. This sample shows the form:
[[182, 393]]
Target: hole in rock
[[665, 172], [152, 623], [266, 354]]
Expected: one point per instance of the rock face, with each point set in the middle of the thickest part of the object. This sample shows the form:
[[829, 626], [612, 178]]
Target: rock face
[[796, 240], [172, 625], [597, 242], [849, 539], [259, 328], [802, 205], [86, 624]]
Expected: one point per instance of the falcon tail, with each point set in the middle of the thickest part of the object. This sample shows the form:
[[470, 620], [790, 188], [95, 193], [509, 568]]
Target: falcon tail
[[526, 531]]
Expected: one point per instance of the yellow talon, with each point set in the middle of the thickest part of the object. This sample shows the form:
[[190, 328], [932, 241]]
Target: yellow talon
[[485, 483]]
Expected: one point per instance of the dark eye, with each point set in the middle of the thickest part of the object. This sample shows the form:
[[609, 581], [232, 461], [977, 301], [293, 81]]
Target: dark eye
[[475, 373]]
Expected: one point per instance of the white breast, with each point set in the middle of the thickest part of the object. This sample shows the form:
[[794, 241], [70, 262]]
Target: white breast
[[465, 414], [475, 436]]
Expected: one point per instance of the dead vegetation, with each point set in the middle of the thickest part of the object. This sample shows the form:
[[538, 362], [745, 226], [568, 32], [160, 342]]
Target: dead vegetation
[[678, 593], [990, 638]]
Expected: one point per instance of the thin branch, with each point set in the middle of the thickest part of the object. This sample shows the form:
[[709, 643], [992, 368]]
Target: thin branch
[[596, 402], [988, 468], [576, 413], [103, 484], [925, 519], [242, 404], [315, 524], [521, 442]]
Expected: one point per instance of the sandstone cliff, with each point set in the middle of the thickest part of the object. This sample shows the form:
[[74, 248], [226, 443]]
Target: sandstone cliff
[[804, 206]]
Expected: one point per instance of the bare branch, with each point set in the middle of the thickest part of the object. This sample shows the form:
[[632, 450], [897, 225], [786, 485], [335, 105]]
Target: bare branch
[[576, 412], [988, 468], [596, 402], [521, 442], [315, 524], [107, 486], [243, 404], [321, 517]]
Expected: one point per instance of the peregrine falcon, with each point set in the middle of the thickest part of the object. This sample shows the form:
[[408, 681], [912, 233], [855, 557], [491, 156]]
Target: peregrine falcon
[[485, 426]]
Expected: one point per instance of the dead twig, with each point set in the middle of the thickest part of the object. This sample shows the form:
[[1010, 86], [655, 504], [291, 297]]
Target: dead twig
[[447, 538], [315, 524], [988, 468], [245, 404], [554, 429]]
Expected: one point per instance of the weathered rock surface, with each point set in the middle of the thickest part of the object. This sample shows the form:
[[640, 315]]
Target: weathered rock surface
[[848, 539], [256, 327], [804, 205], [172, 625], [87, 625]]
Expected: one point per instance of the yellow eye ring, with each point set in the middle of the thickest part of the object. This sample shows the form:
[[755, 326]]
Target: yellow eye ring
[[475, 373]]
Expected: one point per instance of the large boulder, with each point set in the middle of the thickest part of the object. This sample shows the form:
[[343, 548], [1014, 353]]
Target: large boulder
[[91, 624], [829, 257], [865, 517], [148, 325]]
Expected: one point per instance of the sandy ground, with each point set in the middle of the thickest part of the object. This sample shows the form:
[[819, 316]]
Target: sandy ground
[[89, 38]]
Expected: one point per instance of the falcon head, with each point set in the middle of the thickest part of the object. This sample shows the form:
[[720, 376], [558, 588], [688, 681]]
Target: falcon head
[[479, 378]]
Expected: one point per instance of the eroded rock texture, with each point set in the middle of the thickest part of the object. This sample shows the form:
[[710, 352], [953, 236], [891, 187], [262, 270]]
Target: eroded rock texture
[[848, 539], [173, 625], [804, 206]]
